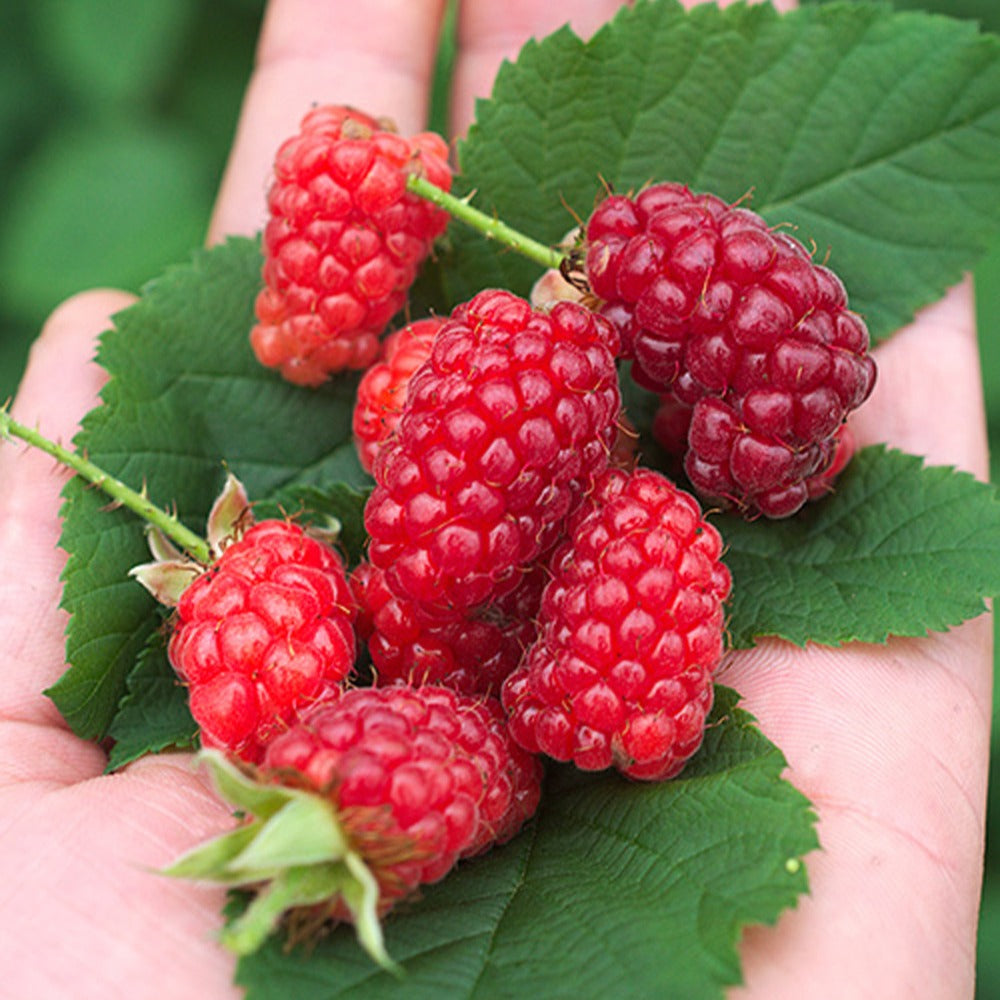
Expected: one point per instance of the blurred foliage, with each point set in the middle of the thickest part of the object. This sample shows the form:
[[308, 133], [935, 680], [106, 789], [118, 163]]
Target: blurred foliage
[[115, 121]]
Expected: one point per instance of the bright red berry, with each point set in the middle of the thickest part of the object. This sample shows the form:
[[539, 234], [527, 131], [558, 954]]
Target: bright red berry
[[630, 632], [265, 631], [472, 655], [736, 322], [382, 389], [368, 797], [343, 241], [419, 777], [504, 428]]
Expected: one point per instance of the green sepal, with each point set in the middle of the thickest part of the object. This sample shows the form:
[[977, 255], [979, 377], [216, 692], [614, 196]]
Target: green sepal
[[311, 885], [360, 892], [210, 861], [166, 580], [171, 572], [162, 548], [293, 850], [303, 832], [306, 885], [242, 790], [228, 515]]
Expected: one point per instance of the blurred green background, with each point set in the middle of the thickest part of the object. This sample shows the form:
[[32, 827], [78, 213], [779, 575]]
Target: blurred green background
[[115, 120]]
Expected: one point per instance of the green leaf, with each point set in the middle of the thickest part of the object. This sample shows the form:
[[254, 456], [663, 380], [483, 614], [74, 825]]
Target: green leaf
[[113, 618], [618, 889], [186, 401], [877, 135], [900, 549], [985, 12], [988, 323], [154, 714]]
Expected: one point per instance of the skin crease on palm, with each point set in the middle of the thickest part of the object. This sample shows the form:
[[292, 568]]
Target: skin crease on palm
[[890, 742]]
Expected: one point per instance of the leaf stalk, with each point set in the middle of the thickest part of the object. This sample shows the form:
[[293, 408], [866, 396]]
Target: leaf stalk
[[491, 227], [138, 503]]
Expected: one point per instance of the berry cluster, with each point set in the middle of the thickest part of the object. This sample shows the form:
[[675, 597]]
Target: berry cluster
[[513, 547], [600, 612], [528, 587]]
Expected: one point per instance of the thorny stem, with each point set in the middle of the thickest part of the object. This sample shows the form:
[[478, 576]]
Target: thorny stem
[[193, 544], [492, 228]]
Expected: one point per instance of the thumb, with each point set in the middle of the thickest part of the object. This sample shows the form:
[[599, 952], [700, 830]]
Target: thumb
[[60, 384]]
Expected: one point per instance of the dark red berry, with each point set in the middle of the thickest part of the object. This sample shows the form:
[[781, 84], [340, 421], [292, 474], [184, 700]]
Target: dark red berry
[[747, 338]]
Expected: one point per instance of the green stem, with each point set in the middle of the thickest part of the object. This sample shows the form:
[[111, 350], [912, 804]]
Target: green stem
[[193, 544], [492, 228]]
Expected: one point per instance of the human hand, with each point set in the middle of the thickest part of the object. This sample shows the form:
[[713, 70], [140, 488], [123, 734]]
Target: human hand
[[901, 811], [890, 742]]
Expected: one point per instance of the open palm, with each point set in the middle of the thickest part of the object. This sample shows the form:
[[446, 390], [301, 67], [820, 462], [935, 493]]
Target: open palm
[[889, 742]]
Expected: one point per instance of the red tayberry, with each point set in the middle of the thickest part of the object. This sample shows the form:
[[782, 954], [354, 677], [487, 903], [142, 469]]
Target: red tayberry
[[382, 389], [261, 634], [343, 241], [366, 798], [630, 632], [419, 777], [472, 655], [751, 340], [504, 428]]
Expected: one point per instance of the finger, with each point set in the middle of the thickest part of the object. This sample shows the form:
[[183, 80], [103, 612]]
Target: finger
[[73, 861], [377, 56], [61, 383], [928, 397]]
